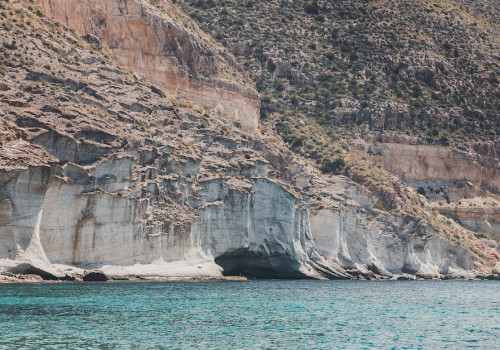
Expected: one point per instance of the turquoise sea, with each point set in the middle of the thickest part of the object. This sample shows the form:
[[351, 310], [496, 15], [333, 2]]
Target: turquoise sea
[[251, 315]]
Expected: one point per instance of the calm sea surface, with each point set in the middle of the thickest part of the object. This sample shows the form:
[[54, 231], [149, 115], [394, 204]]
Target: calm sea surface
[[252, 315]]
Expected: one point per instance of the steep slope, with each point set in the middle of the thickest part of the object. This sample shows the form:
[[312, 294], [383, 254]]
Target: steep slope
[[176, 58], [410, 86], [98, 169], [428, 67]]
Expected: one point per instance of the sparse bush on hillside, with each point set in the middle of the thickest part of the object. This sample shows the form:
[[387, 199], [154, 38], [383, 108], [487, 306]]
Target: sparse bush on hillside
[[421, 191], [333, 166], [334, 64], [481, 235], [298, 142], [312, 8]]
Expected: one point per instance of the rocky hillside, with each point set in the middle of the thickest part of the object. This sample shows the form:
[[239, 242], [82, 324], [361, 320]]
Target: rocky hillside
[[179, 59], [407, 86], [425, 68], [101, 169]]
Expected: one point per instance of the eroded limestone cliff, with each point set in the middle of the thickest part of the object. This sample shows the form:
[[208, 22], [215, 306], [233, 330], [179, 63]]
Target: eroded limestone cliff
[[99, 170]]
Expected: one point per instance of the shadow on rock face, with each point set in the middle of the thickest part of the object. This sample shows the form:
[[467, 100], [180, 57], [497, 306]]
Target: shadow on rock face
[[243, 262], [95, 276], [29, 269]]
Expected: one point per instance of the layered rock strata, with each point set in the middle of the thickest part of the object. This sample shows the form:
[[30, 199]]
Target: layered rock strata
[[98, 170], [154, 43], [462, 185], [428, 164]]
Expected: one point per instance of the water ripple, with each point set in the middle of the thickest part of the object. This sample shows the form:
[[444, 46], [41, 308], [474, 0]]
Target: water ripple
[[251, 315]]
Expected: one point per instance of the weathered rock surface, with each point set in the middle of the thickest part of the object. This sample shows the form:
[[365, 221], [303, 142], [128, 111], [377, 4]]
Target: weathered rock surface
[[436, 165], [24, 278], [480, 214], [462, 185], [156, 44], [95, 276], [256, 227], [99, 171]]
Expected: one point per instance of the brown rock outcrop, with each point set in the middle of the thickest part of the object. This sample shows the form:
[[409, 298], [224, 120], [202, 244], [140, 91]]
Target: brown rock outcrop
[[178, 59], [478, 214], [461, 185], [425, 164]]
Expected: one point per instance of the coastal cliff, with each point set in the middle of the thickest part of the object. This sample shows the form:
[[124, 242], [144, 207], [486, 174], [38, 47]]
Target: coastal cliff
[[417, 98], [101, 170]]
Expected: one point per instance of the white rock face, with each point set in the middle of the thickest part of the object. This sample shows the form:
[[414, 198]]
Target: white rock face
[[57, 216], [99, 216], [348, 239]]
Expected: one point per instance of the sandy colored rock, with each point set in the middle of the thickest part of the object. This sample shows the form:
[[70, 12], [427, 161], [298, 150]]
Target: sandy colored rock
[[154, 43], [427, 164]]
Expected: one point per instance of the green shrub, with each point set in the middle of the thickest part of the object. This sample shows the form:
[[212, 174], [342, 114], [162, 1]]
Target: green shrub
[[379, 206], [482, 235], [444, 141], [333, 166], [297, 142], [330, 56], [312, 8], [279, 86]]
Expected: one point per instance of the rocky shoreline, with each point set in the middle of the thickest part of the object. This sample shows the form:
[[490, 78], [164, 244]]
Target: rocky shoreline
[[97, 276]]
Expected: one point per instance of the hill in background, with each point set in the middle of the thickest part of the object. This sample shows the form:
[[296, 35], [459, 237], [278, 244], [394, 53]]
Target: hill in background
[[424, 69]]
